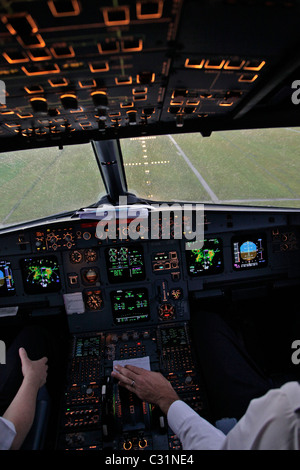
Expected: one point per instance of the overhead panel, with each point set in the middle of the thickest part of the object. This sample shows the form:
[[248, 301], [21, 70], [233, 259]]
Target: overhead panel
[[82, 70]]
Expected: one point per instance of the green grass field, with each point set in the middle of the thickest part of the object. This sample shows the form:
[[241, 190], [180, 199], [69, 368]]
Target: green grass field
[[251, 167], [37, 183], [244, 167]]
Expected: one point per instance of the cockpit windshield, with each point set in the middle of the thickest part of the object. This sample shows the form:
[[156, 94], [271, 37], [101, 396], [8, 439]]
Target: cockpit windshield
[[258, 167], [41, 182]]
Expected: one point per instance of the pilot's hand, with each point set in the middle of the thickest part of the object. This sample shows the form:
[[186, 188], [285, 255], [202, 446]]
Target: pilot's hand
[[149, 386], [34, 372]]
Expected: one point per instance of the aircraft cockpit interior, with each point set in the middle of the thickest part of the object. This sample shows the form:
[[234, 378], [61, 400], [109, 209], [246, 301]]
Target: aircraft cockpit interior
[[149, 183]]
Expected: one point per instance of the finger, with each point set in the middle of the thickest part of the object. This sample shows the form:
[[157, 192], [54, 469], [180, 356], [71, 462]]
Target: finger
[[116, 375], [23, 354], [123, 370], [123, 380], [136, 370]]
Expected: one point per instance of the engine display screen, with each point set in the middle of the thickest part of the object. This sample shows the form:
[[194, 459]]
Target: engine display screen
[[207, 260], [125, 264], [41, 275], [130, 305], [249, 252], [6, 279]]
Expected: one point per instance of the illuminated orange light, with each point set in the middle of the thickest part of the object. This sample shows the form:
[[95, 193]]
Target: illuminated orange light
[[74, 12], [64, 82], [149, 16], [254, 68], [11, 29], [12, 125], [103, 68], [140, 97], [41, 72], [247, 79], [151, 80], [138, 92], [38, 98], [15, 61], [187, 64], [179, 93], [55, 130], [127, 445], [126, 105], [120, 22], [32, 23], [98, 92], [72, 65], [85, 125], [63, 56], [226, 104], [132, 49], [78, 110], [227, 66], [26, 46], [123, 80], [30, 91], [92, 84], [44, 122], [192, 103], [40, 57], [176, 103], [68, 95], [215, 67], [24, 116], [206, 96], [143, 443], [109, 51]]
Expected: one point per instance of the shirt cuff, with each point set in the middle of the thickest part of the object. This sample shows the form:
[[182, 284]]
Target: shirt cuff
[[7, 434], [193, 431]]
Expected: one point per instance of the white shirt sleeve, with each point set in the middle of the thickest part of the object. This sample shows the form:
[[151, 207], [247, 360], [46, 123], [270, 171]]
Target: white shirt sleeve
[[194, 432], [271, 422], [7, 434]]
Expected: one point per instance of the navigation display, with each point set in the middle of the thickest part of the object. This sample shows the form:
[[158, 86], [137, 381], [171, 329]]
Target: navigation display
[[249, 252], [6, 279], [207, 260], [41, 275], [130, 305], [125, 264]]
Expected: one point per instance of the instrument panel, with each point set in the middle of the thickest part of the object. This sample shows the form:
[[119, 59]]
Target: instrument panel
[[130, 298], [106, 283]]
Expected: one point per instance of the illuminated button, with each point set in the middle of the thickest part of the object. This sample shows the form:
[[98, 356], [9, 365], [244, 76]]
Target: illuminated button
[[127, 445]]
